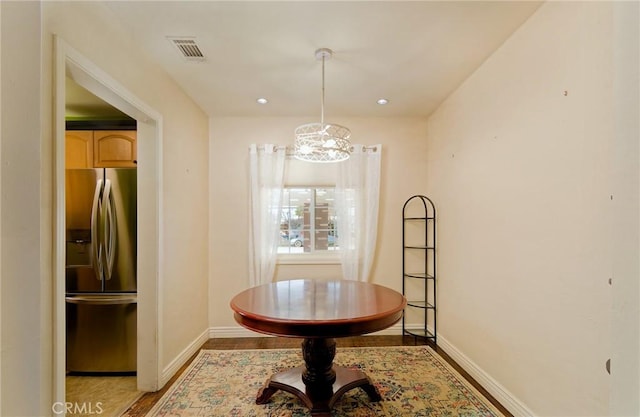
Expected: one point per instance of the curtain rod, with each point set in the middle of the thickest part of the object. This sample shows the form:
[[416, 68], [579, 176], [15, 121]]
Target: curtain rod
[[290, 149]]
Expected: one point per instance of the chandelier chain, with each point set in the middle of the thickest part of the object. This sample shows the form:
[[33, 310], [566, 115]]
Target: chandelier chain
[[322, 95]]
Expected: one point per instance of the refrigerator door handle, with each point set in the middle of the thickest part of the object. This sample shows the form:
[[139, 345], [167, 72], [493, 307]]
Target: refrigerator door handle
[[110, 229], [102, 299], [96, 245]]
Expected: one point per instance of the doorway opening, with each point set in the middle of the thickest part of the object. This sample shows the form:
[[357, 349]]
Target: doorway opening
[[71, 66]]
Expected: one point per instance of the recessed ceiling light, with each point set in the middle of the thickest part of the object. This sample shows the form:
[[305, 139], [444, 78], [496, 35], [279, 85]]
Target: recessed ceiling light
[[262, 100], [382, 101]]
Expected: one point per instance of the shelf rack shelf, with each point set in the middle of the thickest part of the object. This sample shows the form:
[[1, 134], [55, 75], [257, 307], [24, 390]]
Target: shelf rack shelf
[[419, 267]]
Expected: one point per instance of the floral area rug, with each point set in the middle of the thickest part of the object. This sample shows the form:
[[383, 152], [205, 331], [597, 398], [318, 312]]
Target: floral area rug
[[413, 382]]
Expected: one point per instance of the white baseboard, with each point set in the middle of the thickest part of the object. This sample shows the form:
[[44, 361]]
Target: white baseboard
[[500, 393], [231, 332], [170, 370], [237, 331]]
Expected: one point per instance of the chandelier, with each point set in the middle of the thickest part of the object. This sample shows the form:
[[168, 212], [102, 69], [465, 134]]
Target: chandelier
[[322, 142]]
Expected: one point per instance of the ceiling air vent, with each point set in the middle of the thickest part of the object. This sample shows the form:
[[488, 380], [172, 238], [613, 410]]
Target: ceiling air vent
[[188, 48]]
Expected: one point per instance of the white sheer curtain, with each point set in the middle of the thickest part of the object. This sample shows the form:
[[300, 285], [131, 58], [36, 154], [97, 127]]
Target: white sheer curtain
[[266, 174], [357, 197]]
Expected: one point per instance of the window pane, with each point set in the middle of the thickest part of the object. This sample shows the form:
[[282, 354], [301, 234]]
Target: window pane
[[308, 220], [292, 227], [325, 227]]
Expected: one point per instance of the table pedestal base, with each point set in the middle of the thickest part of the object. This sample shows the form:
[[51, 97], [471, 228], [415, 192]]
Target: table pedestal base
[[319, 384]]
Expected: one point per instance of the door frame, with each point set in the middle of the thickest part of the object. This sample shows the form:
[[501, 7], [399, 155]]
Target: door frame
[[70, 63]]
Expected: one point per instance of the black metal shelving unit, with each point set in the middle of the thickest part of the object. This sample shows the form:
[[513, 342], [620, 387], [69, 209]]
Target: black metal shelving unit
[[419, 266]]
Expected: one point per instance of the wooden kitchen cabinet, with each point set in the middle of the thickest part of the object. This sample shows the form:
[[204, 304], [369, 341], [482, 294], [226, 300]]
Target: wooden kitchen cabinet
[[114, 148], [100, 148], [79, 149]]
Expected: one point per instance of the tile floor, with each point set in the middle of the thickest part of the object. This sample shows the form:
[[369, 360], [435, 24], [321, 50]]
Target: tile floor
[[107, 396]]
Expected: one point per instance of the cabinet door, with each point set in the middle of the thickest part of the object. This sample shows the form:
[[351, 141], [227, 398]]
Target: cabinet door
[[78, 149], [114, 148]]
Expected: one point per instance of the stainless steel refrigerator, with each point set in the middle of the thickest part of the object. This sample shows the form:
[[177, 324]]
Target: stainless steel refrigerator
[[101, 287]]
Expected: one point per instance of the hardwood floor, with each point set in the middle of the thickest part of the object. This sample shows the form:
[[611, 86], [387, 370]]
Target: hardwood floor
[[148, 400]]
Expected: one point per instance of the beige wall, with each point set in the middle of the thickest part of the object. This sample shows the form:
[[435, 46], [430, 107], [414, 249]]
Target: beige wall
[[27, 184], [26, 362], [403, 174], [625, 332], [519, 164]]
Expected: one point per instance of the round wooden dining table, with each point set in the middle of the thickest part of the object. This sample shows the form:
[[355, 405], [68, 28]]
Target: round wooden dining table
[[318, 311]]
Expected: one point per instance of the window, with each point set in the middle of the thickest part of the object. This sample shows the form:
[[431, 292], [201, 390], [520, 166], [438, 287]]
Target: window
[[308, 223]]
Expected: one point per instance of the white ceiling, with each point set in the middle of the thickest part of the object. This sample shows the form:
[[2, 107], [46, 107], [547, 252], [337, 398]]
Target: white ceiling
[[413, 53]]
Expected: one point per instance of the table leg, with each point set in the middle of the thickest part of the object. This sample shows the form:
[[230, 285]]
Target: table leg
[[319, 384]]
